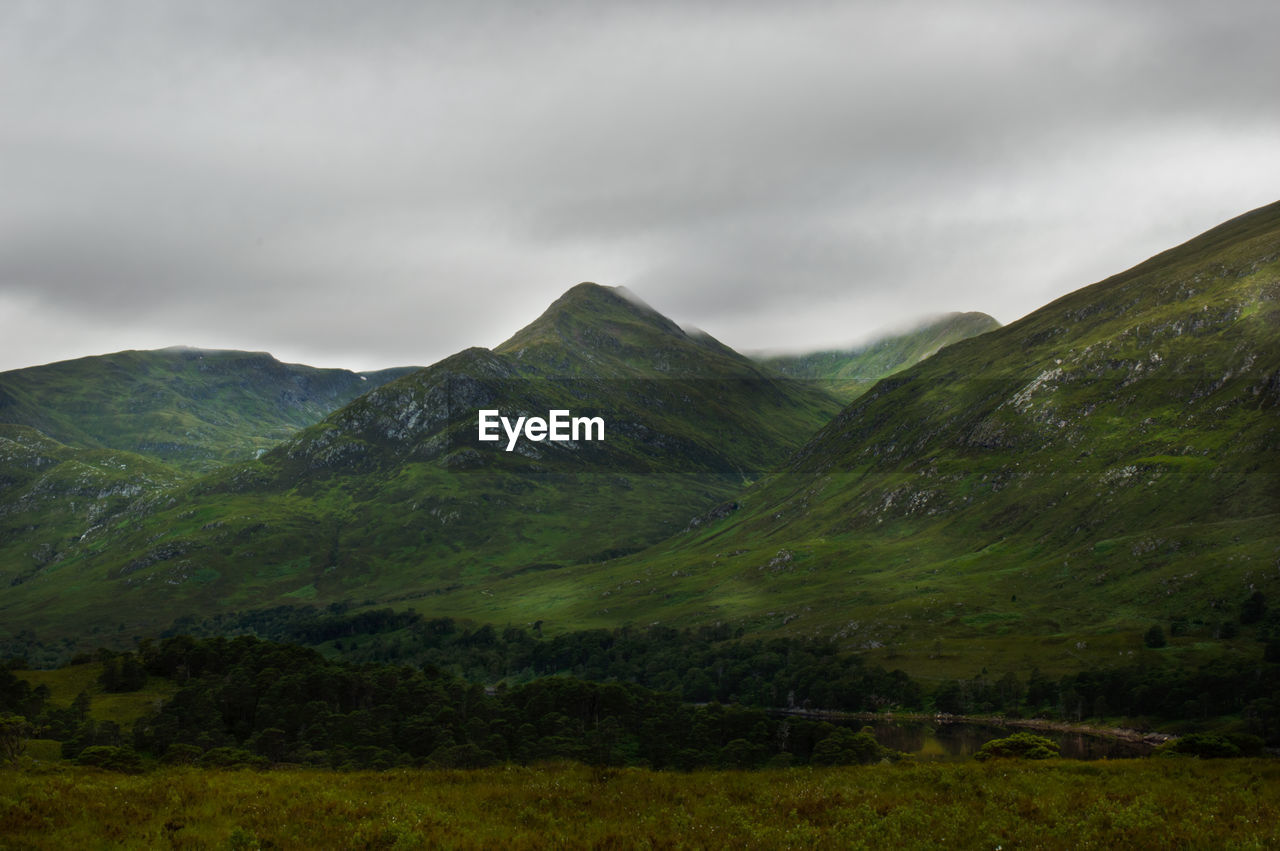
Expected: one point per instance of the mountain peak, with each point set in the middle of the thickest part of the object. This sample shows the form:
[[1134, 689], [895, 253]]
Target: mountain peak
[[587, 310], [588, 292], [598, 321], [594, 324]]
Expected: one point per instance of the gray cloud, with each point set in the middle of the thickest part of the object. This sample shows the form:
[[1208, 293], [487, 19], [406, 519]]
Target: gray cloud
[[382, 183]]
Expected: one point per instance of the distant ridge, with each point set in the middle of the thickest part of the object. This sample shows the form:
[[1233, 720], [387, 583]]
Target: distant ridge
[[190, 408], [847, 373]]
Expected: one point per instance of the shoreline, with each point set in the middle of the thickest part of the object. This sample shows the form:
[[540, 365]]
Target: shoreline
[[1123, 734]]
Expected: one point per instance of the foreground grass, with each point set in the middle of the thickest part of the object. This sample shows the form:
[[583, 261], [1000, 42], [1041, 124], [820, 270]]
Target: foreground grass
[[1136, 804]]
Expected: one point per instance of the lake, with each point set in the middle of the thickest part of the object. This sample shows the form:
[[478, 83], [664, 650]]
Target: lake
[[960, 740]]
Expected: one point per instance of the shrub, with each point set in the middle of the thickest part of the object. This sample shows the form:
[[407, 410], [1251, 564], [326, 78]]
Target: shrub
[[1253, 608], [232, 758], [1202, 745], [461, 756], [845, 747], [1018, 746], [1249, 744], [112, 758], [14, 732], [181, 754]]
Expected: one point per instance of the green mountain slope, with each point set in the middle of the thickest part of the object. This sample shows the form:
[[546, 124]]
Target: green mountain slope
[[189, 408], [50, 492], [393, 497], [848, 373], [1040, 494]]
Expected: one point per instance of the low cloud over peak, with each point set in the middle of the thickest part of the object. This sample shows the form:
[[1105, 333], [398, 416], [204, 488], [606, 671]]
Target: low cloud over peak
[[389, 183]]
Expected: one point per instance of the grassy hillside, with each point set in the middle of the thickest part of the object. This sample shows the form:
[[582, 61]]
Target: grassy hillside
[[191, 409], [51, 495], [123, 708], [1038, 495], [393, 497], [848, 373]]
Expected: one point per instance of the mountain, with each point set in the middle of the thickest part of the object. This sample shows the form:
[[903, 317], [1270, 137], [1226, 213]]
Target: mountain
[[49, 491], [393, 497], [848, 373], [1040, 494], [192, 409]]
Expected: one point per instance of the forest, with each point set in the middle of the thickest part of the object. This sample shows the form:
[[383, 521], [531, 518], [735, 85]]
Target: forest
[[657, 698]]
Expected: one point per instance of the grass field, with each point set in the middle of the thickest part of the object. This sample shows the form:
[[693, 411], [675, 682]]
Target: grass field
[[123, 708], [1055, 804]]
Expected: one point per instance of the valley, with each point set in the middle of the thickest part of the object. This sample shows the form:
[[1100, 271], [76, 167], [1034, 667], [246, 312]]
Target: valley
[[1036, 495], [610, 554]]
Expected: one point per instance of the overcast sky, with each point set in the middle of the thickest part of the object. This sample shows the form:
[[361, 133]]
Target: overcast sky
[[366, 184]]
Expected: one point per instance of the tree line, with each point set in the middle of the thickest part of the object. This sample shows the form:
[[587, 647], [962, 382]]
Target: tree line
[[398, 688], [245, 700]]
